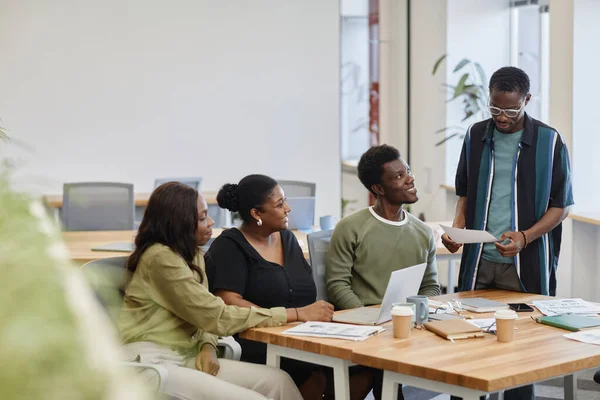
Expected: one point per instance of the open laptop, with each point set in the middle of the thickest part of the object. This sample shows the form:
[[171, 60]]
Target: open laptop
[[302, 215], [403, 283]]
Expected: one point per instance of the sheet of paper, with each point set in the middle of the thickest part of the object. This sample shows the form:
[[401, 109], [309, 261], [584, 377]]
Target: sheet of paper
[[483, 323], [591, 336], [566, 306], [334, 330], [463, 236]]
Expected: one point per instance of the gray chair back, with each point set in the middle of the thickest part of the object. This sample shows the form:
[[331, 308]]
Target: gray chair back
[[98, 206], [298, 188], [194, 183], [318, 243], [108, 277]]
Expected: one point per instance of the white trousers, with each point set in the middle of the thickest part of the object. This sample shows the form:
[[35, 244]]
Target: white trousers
[[235, 380]]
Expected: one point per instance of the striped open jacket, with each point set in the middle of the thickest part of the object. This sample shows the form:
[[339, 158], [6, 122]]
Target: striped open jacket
[[542, 179]]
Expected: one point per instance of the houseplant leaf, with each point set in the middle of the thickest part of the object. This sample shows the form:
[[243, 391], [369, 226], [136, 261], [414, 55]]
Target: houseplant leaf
[[447, 128], [481, 73], [437, 63], [448, 138], [461, 85], [461, 64]]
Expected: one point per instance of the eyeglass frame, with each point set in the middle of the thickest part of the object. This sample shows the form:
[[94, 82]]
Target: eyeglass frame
[[505, 110], [453, 306]]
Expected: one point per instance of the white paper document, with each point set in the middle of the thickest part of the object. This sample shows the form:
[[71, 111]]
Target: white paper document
[[333, 330], [464, 236], [566, 306], [591, 336], [483, 323]]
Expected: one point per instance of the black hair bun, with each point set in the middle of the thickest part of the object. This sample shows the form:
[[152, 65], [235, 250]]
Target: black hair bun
[[228, 197]]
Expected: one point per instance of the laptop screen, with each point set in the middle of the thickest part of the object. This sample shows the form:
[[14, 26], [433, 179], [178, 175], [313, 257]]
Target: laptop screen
[[403, 283]]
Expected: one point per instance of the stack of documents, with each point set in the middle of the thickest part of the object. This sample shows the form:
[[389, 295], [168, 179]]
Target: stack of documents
[[333, 330], [589, 336], [481, 305], [566, 306]]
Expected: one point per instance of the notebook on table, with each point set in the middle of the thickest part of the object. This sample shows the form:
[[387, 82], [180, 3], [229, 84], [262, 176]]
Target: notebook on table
[[569, 322], [481, 305], [403, 283], [125, 247], [452, 329]]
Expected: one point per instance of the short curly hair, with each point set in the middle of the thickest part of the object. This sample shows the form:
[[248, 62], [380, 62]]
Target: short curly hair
[[370, 166], [510, 79]]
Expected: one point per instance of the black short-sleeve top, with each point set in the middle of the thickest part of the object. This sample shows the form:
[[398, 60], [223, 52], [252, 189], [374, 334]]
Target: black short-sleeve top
[[233, 264]]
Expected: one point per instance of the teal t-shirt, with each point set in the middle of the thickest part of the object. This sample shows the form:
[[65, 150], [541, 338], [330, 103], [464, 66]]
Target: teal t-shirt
[[506, 146]]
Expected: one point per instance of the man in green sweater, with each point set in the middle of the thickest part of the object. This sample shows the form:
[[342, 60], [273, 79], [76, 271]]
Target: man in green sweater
[[367, 246]]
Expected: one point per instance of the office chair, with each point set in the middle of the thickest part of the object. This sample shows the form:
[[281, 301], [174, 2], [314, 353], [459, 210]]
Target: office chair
[[194, 183], [108, 277], [98, 206], [318, 243], [298, 188]]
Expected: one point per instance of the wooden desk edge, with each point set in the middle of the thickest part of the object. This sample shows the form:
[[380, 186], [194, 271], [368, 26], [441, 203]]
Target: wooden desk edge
[[260, 335], [469, 382], [140, 199], [584, 219]]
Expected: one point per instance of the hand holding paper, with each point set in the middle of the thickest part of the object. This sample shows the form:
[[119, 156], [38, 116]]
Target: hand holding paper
[[464, 236]]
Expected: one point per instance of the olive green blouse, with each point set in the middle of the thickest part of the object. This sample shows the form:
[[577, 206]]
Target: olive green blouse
[[165, 303]]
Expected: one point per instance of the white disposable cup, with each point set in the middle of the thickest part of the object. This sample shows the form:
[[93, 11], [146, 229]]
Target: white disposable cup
[[402, 321], [505, 325]]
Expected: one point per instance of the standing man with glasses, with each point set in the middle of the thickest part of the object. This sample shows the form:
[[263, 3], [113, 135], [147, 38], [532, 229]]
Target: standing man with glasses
[[514, 181]]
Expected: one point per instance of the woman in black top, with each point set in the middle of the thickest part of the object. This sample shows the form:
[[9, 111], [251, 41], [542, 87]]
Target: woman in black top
[[261, 264]]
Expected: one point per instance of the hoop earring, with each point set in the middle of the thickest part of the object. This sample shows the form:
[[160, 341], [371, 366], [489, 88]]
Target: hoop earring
[[259, 222]]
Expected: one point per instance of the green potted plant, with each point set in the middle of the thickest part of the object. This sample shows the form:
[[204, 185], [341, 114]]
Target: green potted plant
[[54, 334], [470, 89]]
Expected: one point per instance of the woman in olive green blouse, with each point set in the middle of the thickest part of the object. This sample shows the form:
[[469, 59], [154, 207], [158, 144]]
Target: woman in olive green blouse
[[170, 317]]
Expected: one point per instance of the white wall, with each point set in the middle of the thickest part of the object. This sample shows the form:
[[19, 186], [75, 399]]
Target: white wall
[[561, 118], [393, 73], [427, 107], [131, 91], [480, 31], [586, 141]]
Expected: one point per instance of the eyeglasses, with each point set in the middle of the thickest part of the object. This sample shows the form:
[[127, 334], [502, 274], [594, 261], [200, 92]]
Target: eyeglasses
[[510, 113], [453, 306]]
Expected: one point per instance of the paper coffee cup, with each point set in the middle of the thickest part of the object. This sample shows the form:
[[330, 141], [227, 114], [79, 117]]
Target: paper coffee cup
[[402, 321], [505, 325], [412, 306]]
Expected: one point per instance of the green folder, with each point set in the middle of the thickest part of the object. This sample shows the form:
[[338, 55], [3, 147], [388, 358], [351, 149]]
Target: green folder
[[569, 322]]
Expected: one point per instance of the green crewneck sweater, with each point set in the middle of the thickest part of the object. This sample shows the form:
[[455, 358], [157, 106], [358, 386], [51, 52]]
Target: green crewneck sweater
[[365, 249]]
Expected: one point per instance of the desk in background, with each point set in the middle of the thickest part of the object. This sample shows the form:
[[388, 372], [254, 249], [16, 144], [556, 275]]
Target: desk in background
[[442, 253], [467, 368], [140, 199], [585, 273], [80, 244], [221, 217]]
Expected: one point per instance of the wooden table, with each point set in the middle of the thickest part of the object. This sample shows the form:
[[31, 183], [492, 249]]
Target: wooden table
[[80, 244], [140, 199], [587, 217], [467, 368]]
